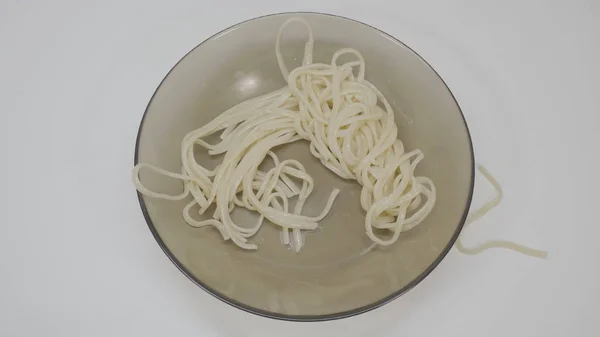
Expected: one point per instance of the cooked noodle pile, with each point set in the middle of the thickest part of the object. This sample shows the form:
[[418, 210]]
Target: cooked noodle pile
[[339, 113]]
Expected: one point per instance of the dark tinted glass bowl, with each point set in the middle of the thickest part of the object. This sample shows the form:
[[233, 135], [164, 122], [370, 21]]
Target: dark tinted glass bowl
[[332, 277]]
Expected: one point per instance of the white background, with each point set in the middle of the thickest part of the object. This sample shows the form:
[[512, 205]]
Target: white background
[[77, 259]]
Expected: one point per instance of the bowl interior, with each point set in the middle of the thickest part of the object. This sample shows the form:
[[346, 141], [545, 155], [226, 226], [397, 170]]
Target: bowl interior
[[334, 275]]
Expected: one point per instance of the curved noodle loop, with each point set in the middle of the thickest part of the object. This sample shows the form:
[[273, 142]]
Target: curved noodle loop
[[351, 130], [494, 243]]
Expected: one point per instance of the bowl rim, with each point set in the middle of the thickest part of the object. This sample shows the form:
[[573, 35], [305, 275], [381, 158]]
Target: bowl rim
[[306, 318]]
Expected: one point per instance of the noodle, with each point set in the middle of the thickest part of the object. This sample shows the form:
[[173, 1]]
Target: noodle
[[337, 112], [348, 132], [494, 243]]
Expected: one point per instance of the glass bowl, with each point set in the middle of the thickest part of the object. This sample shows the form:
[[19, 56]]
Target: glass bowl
[[335, 275]]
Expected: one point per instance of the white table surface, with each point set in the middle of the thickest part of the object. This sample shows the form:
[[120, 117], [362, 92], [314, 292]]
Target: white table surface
[[77, 259]]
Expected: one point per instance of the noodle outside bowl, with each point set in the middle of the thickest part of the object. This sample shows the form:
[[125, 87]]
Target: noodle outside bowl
[[336, 274]]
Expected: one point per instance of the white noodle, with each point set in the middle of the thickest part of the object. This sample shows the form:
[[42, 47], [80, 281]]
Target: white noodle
[[494, 243], [338, 113]]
